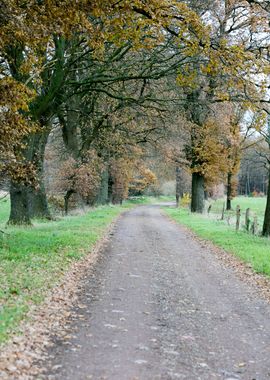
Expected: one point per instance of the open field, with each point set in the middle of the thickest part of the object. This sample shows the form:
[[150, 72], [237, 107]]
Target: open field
[[257, 206], [254, 250]]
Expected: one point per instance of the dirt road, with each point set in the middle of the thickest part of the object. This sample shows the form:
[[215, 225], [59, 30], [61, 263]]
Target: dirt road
[[158, 306]]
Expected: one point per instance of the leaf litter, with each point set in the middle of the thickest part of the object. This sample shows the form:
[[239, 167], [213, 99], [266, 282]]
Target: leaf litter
[[21, 356]]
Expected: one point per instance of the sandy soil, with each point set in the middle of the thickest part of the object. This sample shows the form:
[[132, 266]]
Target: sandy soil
[[158, 305]]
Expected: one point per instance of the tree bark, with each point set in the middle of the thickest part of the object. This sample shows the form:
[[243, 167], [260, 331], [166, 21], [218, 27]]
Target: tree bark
[[33, 200], [266, 222], [229, 192], [37, 203], [197, 113], [197, 199], [66, 198], [69, 120], [103, 194], [37, 198], [19, 211], [178, 191], [110, 188]]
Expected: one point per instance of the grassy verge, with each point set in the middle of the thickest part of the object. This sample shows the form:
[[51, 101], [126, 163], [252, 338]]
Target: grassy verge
[[256, 205], [33, 259], [254, 250]]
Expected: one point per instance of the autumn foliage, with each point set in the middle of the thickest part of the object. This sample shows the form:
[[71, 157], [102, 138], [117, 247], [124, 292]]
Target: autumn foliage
[[129, 176], [112, 75], [15, 125], [82, 178]]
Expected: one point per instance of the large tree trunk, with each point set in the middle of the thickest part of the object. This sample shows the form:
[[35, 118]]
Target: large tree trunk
[[110, 188], [266, 222], [197, 199], [69, 121], [229, 192], [103, 194], [19, 211], [197, 112], [42, 110], [33, 200], [117, 196], [66, 198], [38, 204], [178, 192]]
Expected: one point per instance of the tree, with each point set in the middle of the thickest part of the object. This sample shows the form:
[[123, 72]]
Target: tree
[[66, 54], [266, 222], [253, 172], [226, 73], [44, 42], [83, 179]]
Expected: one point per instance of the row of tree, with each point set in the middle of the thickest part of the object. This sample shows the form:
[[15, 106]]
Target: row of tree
[[113, 82]]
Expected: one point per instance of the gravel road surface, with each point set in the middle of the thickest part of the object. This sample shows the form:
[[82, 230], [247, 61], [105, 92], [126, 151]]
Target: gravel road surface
[[158, 306]]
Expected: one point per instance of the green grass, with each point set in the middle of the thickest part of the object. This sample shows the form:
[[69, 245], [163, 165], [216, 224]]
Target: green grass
[[32, 260], [150, 199], [254, 250], [4, 210], [257, 206]]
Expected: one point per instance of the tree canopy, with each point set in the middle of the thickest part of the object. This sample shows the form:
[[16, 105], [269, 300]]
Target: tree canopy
[[114, 78]]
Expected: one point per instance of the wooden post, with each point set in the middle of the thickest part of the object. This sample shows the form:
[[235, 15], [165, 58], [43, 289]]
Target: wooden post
[[254, 227], [247, 219], [177, 200], [223, 211], [209, 209], [238, 214]]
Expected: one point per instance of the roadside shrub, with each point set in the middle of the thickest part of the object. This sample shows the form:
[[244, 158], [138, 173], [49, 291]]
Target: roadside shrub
[[56, 202], [186, 200]]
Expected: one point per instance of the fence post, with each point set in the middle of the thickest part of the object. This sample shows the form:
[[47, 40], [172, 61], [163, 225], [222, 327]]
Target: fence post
[[223, 212], [238, 214], [247, 219], [254, 226]]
